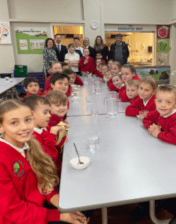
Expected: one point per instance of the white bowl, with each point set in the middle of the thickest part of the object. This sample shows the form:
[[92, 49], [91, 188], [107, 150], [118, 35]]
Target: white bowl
[[85, 160]]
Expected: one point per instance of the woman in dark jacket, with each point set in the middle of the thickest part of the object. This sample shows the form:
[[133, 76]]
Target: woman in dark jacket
[[100, 47], [49, 54]]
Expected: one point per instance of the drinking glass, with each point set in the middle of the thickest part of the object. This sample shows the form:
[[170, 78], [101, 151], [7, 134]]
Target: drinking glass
[[112, 107], [93, 138], [113, 94]]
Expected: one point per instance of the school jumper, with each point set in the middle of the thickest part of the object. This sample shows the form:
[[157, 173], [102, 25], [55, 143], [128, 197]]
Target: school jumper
[[47, 141], [136, 78], [47, 84], [21, 201], [69, 91], [89, 67], [138, 105], [29, 94], [78, 81], [111, 85], [167, 123]]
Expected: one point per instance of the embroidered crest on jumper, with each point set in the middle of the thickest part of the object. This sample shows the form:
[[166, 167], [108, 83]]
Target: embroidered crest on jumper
[[17, 168]]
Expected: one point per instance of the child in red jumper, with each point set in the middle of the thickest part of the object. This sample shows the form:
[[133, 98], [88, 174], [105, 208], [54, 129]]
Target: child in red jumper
[[161, 123], [97, 70], [40, 107], [132, 89], [28, 175], [31, 86], [73, 78], [55, 67], [110, 63], [146, 100], [115, 69], [86, 63], [117, 81], [128, 73]]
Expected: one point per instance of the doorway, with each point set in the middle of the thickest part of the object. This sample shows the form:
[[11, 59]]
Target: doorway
[[68, 33], [140, 45]]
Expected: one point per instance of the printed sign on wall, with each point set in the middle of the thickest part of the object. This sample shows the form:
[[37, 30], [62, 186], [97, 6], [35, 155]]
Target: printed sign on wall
[[5, 33], [30, 41], [163, 45]]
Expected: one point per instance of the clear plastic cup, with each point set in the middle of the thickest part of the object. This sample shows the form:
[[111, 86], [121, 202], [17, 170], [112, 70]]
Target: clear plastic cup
[[93, 138], [112, 107]]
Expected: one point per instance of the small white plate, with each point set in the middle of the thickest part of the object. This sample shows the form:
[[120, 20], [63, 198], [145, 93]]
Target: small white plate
[[85, 160]]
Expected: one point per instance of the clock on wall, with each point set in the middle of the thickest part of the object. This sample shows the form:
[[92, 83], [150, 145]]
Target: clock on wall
[[94, 25]]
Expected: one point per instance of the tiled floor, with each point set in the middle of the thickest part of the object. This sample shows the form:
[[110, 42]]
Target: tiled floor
[[120, 215]]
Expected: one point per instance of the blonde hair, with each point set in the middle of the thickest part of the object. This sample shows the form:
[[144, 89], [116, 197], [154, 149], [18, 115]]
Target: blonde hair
[[119, 75], [41, 164], [133, 83], [150, 81], [117, 64], [56, 97], [167, 88], [56, 62]]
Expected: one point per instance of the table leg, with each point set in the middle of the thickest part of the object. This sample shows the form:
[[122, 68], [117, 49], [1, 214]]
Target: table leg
[[104, 213], [153, 217]]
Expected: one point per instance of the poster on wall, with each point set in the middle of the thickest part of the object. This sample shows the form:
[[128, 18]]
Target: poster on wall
[[5, 33], [30, 41], [162, 45], [161, 74]]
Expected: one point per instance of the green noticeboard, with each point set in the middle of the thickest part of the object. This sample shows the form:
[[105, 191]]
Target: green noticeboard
[[163, 45], [30, 44]]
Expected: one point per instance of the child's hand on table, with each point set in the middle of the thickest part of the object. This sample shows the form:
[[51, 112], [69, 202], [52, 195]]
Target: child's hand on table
[[154, 130], [74, 218]]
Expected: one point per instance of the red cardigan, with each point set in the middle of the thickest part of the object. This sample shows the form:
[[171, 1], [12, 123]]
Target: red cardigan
[[111, 86], [21, 201], [137, 105], [48, 143], [89, 67], [69, 91], [168, 125], [78, 81]]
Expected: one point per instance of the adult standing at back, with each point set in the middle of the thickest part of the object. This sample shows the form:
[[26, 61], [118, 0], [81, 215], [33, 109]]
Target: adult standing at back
[[86, 43], [119, 50], [100, 47], [49, 54], [61, 50], [78, 49]]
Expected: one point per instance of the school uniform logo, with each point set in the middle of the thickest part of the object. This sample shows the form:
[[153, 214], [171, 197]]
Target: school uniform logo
[[17, 168]]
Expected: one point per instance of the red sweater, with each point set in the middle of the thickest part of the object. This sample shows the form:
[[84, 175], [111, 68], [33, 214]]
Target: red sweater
[[123, 95], [54, 120], [78, 81], [89, 67], [69, 91], [111, 86], [168, 125], [98, 73], [132, 100], [48, 143], [137, 105], [136, 78], [21, 201], [47, 84], [29, 94]]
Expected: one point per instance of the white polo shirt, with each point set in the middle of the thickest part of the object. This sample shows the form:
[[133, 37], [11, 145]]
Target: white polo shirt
[[72, 58]]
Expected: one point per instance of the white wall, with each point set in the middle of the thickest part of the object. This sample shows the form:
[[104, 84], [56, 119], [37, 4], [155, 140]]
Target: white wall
[[137, 11], [34, 62], [46, 9], [6, 50]]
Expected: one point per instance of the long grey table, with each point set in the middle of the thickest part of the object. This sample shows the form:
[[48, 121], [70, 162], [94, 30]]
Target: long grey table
[[6, 85], [129, 166]]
